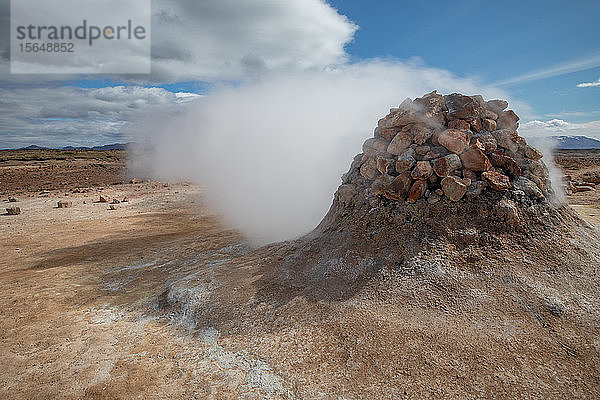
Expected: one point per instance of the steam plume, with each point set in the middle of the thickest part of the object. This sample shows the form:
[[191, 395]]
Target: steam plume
[[270, 153]]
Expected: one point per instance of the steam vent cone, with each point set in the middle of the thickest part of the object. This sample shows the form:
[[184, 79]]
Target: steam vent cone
[[446, 267], [446, 180]]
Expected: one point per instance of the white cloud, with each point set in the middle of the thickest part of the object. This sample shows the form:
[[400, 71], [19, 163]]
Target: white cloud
[[74, 116], [214, 40], [554, 70], [589, 84], [559, 127]]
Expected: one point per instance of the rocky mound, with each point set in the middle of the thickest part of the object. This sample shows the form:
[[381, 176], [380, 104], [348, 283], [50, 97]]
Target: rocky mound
[[454, 146]]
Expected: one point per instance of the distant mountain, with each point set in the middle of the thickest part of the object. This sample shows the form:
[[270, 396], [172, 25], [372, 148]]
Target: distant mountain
[[113, 146], [576, 142], [564, 142]]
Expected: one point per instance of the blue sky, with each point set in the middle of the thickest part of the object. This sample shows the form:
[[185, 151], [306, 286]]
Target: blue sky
[[536, 52], [492, 40]]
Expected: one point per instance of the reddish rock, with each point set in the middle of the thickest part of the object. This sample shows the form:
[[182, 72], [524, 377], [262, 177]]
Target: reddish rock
[[400, 185], [488, 141], [422, 170], [380, 184], [539, 169], [459, 124], [431, 156], [417, 191], [445, 165], [407, 113], [422, 150], [399, 143], [385, 165], [468, 174], [421, 133], [476, 125], [463, 107], [405, 163], [454, 140], [539, 182], [533, 153], [488, 124], [475, 159], [454, 188], [432, 106], [507, 163], [386, 133], [508, 120], [496, 180]]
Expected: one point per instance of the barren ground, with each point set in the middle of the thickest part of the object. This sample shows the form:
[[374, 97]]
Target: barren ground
[[81, 286]]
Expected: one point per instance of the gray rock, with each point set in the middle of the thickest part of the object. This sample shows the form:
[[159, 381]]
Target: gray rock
[[528, 187], [433, 198], [65, 204], [506, 139], [377, 144], [476, 188]]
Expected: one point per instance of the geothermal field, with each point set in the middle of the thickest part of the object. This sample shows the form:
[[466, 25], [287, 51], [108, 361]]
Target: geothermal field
[[455, 261]]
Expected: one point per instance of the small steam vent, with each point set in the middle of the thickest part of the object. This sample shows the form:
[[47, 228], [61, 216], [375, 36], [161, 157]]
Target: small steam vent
[[452, 148]]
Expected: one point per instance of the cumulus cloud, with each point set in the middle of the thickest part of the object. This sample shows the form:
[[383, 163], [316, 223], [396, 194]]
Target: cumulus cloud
[[270, 153], [214, 40], [589, 84]]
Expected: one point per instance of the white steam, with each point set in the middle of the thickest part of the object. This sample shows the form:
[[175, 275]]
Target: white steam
[[270, 153]]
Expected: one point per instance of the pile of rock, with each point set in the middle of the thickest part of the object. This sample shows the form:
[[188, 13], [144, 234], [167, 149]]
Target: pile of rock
[[452, 146]]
